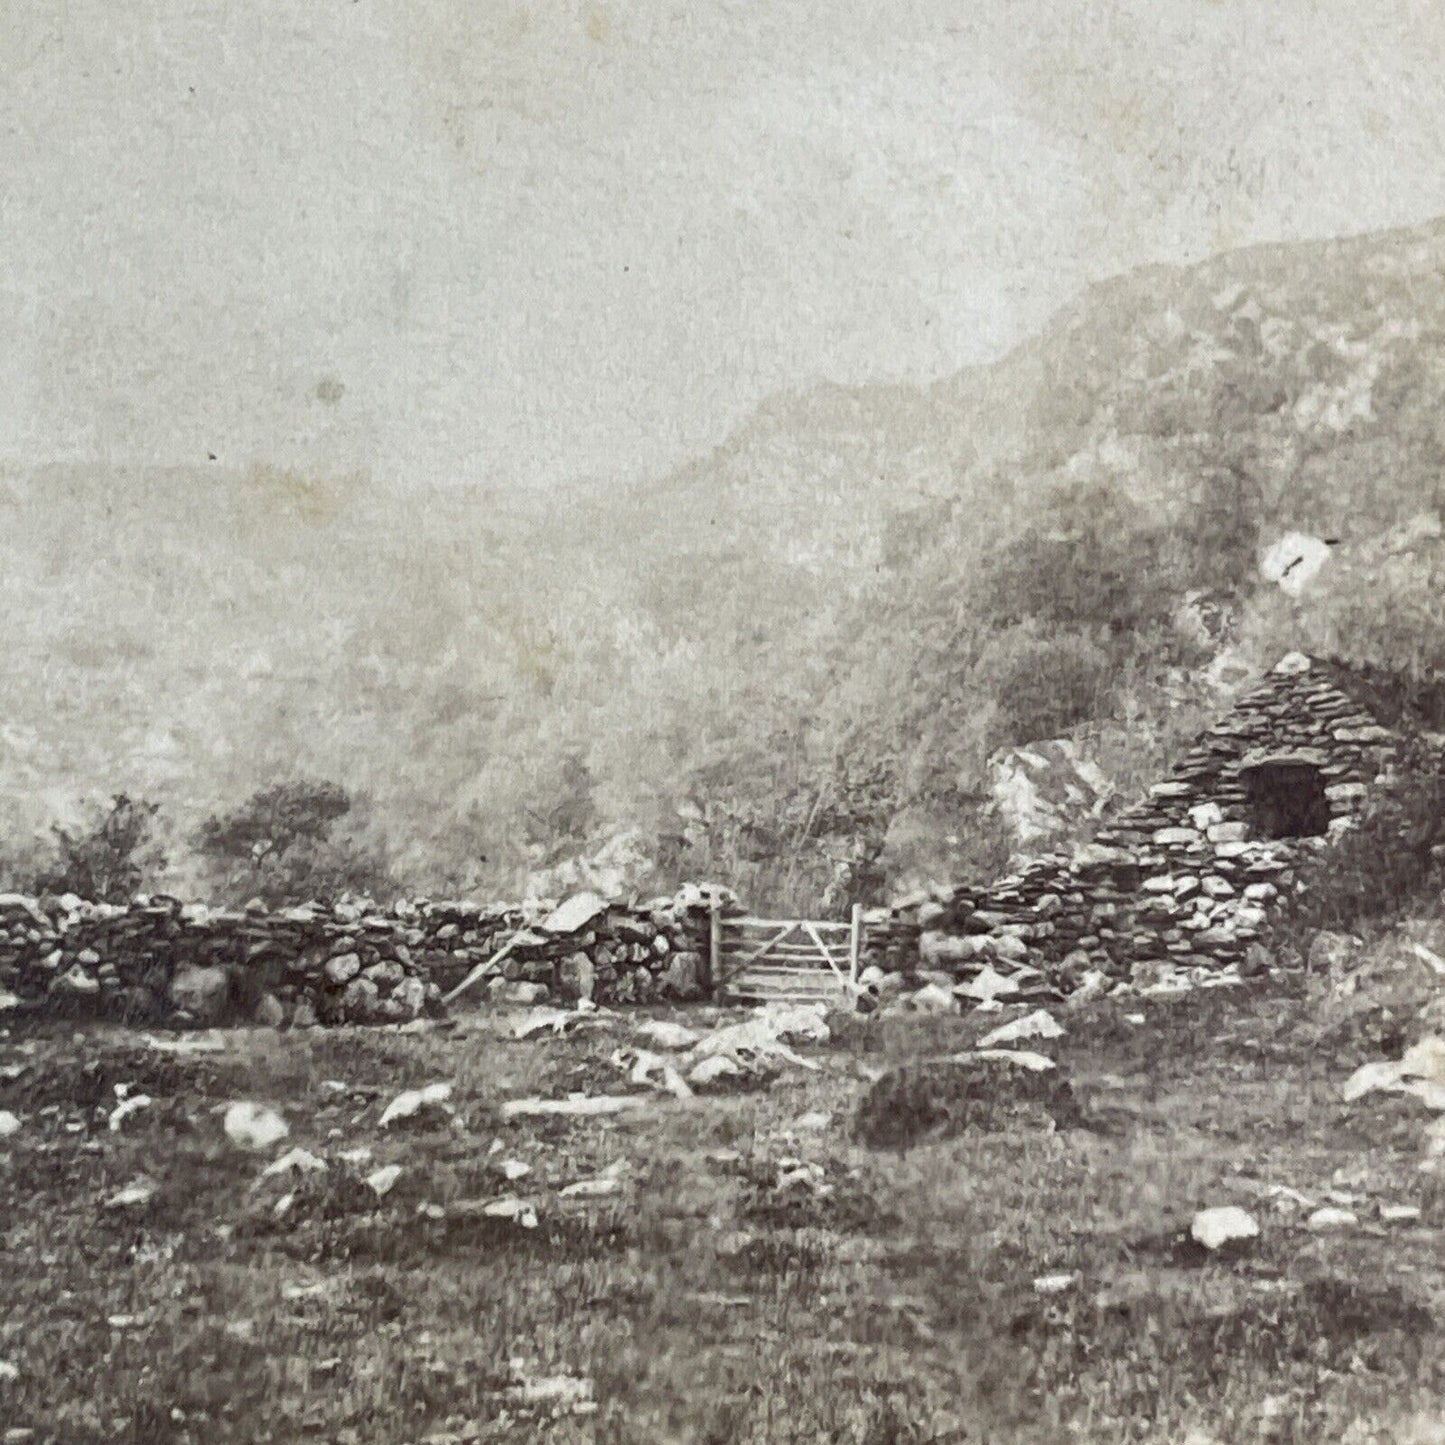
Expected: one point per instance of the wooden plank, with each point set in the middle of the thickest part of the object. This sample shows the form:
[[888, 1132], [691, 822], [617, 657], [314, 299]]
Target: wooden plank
[[780, 950], [485, 968], [763, 989], [758, 953], [827, 925], [823, 947]]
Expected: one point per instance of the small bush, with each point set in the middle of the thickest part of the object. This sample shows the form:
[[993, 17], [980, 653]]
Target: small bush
[[1388, 865], [108, 862], [280, 846]]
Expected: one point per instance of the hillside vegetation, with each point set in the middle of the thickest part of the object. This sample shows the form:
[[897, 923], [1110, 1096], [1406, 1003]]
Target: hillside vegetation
[[786, 664]]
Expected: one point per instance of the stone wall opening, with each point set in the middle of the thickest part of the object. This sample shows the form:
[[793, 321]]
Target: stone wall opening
[[1286, 798]]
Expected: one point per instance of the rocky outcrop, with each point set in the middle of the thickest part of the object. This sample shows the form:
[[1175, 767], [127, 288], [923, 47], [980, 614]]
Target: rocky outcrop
[[1179, 886], [161, 959]]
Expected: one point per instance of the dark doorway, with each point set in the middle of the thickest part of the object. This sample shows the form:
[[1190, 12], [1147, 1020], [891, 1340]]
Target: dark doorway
[[1286, 798]]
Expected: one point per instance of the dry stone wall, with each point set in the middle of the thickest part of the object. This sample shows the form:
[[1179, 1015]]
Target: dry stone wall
[[1178, 887], [163, 960]]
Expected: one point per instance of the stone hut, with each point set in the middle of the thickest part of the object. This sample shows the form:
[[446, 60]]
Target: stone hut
[[1175, 888]]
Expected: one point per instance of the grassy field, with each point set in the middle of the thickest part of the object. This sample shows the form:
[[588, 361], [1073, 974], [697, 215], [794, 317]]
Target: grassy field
[[757, 1275]]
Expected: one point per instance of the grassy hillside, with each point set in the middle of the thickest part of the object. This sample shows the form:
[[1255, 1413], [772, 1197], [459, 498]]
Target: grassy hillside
[[800, 647]]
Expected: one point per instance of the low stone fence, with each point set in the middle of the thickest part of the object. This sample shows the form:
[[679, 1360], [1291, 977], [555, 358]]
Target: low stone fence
[[159, 959]]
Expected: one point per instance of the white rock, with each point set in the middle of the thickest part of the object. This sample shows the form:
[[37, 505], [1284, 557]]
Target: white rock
[[799, 1023], [1222, 1225], [812, 1121], [9, 1124], [380, 1181], [664, 1034], [514, 1209], [1399, 1213], [541, 1021], [133, 1195], [1040, 1024], [987, 984], [581, 1106], [514, 1169], [1055, 1283], [711, 1069], [575, 914], [558, 1392], [933, 999], [411, 1102], [127, 1107], [1023, 1058], [294, 1161], [249, 1125], [591, 1188], [1329, 1217]]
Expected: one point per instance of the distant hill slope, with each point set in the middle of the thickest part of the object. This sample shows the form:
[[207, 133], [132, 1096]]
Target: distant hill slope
[[814, 632]]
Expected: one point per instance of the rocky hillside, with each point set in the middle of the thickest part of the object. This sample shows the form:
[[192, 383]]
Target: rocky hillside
[[790, 661]]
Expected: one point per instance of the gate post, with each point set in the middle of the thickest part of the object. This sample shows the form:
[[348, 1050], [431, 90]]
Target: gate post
[[714, 948], [855, 943]]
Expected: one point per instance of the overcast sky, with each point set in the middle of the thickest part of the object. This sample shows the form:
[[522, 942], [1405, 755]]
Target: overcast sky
[[477, 240]]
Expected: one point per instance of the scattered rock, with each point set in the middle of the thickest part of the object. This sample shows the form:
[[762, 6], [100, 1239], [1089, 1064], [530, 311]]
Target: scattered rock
[[1400, 1213], [580, 1106], [592, 1188], [133, 1196], [9, 1124], [204, 993], [412, 1102], [556, 1393], [341, 969], [294, 1161], [1038, 1025], [987, 986], [270, 1012], [665, 1034], [1223, 1226], [128, 1106], [1055, 1283], [1330, 1218], [249, 1125], [381, 1181]]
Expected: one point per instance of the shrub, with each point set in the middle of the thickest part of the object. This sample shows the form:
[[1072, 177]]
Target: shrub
[[279, 846], [1043, 686], [1389, 864], [109, 861]]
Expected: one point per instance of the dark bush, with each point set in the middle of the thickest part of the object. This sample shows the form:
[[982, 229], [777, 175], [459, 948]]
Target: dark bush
[[280, 846], [1390, 864], [108, 862]]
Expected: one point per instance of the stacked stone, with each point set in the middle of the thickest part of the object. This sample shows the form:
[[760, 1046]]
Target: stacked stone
[[620, 953], [161, 959], [1174, 887]]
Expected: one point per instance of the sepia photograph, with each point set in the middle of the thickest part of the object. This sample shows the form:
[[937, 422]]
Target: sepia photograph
[[722, 722]]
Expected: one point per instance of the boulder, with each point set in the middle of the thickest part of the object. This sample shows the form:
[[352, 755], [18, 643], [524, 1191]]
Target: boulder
[[270, 1012], [1333, 952], [204, 993], [576, 976], [343, 968], [359, 1001], [684, 977]]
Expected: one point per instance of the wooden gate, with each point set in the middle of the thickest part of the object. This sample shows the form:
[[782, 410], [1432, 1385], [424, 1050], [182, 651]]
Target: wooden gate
[[794, 959]]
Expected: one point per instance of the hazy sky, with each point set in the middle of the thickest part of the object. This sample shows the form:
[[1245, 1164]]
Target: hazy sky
[[488, 241]]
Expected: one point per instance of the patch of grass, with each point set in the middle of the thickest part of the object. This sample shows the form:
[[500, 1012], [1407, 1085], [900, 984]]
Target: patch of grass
[[753, 1278]]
